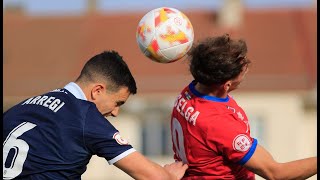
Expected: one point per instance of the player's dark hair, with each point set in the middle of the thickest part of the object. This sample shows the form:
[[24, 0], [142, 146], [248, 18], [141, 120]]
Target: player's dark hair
[[109, 67], [218, 59]]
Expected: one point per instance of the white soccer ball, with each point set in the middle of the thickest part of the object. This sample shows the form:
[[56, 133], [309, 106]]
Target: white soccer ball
[[164, 35]]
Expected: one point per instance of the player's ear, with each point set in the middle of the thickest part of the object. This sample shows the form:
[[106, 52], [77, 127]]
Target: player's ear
[[227, 85], [97, 90]]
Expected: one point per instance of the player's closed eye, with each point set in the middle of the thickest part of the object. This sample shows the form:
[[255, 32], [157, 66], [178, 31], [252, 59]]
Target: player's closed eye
[[118, 104]]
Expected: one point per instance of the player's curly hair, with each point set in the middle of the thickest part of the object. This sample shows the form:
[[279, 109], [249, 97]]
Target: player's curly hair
[[108, 67], [218, 59]]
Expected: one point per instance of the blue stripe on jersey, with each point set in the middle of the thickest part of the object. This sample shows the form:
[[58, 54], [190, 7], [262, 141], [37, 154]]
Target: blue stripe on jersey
[[250, 152], [211, 98]]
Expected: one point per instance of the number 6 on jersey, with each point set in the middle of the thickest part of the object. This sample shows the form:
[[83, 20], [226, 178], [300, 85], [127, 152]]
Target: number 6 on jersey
[[20, 149]]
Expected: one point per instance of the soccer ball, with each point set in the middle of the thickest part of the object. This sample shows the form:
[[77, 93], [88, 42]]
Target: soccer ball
[[164, 35]]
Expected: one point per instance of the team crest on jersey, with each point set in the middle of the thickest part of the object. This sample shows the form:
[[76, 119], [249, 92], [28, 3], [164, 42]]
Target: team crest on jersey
[[119, 139], [241, 143]]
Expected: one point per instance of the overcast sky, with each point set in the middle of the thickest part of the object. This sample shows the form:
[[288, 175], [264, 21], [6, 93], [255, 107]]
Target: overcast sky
[[78, 6]]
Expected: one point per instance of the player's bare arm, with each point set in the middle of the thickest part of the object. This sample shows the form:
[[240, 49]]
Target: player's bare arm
[[263, 164], [176, 168], [139, 167]]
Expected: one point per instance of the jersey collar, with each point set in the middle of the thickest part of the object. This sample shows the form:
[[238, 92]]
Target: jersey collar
[[207, 97], [75, 90]]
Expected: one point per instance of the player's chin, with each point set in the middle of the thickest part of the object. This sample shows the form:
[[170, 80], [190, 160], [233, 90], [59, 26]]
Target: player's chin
[[106, 115]]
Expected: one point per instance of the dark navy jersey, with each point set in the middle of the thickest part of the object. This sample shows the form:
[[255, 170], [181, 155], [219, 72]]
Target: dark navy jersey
[[54, 135]]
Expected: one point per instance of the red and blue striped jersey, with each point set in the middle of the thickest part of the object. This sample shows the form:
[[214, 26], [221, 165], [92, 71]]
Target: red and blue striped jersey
[[211, 135]]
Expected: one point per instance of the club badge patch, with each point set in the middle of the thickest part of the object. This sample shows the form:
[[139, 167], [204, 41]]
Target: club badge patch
[[119, 139], [241, 143]]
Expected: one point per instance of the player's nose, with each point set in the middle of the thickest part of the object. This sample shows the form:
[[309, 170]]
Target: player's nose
[[115, 112]]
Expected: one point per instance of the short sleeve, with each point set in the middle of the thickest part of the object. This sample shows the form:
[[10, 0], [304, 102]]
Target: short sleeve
[[103, 139], [231, 138]]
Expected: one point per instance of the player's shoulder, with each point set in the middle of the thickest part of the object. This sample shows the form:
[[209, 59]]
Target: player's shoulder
[[70, 98], [59, 101], [217, 113], [215, 109]]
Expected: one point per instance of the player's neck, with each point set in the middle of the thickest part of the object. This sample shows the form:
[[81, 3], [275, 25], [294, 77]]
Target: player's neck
[[85, 89], [217, 91]]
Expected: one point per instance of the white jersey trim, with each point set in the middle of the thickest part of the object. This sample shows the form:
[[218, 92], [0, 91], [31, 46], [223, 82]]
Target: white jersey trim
[[120, 156], [75, 90]]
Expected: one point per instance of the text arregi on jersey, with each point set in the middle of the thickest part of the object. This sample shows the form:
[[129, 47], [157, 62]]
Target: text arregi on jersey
[[186, 110], [50, 102]]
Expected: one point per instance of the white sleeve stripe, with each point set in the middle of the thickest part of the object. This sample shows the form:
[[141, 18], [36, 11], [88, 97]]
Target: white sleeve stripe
[[120, 156]]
